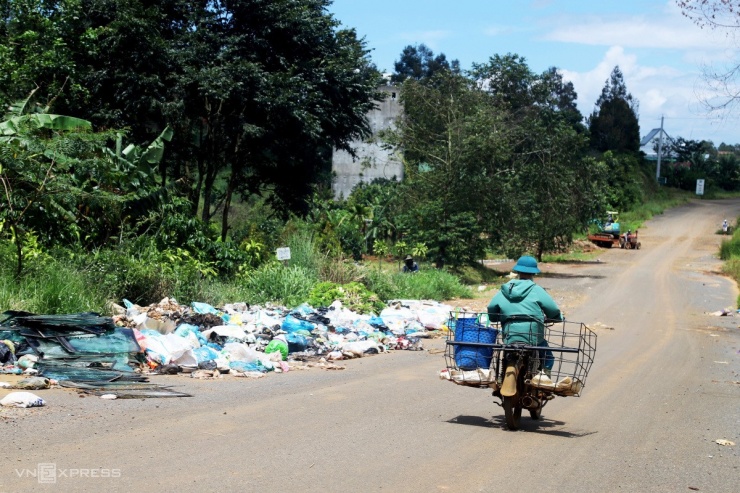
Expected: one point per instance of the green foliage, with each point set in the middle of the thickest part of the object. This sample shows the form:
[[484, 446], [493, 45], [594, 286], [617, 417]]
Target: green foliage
[[614, 125], [144, 274], [171, 228], [276, 283], [426, 284], [47, 286], [354, 296], [418, 62], [420, 250]]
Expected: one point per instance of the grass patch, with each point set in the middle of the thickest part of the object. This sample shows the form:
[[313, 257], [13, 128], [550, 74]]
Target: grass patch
[[51, 287], [429, 284]]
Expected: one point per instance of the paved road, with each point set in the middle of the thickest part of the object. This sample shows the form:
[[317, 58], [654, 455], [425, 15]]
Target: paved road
[[664, 387]]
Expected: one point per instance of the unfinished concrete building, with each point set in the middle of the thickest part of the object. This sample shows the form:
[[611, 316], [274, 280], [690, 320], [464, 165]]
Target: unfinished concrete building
[[372, 160]]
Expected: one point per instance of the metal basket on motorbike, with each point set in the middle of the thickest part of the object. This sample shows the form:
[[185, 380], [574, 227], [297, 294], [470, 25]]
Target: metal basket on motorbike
[[529, 362], [563, 367], [559, 359], [470, 352]]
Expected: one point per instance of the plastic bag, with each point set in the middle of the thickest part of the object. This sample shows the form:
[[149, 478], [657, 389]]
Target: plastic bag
[[277, 346], [243, 366], [292, 324], [233, 331], [199, 307], [240, 352], [6, 354], [22, 399], [205, 353], [186, 329], [296, 342]]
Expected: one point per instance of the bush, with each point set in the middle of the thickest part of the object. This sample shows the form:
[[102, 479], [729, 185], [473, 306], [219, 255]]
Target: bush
[[144, 275], [49, 287], [352, 295], [275, 283], [434, 284], [730, 249]]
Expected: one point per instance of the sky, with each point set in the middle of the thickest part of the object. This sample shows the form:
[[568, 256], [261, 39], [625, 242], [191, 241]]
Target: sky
[[662, 54]]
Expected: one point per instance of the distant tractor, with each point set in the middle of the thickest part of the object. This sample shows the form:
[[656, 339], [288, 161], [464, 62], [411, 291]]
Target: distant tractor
[[629, 241], [608, 234]]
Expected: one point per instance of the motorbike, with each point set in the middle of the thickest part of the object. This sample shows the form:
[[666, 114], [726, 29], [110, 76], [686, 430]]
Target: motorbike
[[522, 376]]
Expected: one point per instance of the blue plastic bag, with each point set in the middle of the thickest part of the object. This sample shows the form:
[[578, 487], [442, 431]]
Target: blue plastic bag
[[244, 366], [205, 353], [184, 329], [292, 324], [204, 308], [303, 310], [296, 342]]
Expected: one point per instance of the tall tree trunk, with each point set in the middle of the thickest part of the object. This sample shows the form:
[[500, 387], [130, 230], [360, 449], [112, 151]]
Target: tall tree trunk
[[195, 193], [200, 161], [236, 172], [19, 249], [208, 192]]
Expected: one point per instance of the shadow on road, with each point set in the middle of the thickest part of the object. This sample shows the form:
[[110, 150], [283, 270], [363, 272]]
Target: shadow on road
[[577, 262], [472, 421], [558, 275], [543, 426]]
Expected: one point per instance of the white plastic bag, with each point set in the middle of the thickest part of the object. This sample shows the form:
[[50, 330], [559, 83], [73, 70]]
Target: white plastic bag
[[240, 352], [22, 399]]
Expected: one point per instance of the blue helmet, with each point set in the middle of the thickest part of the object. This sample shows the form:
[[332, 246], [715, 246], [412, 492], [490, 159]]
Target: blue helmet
[[527, 265]]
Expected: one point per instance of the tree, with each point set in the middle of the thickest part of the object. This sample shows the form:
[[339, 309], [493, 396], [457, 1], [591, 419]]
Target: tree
[[258, 92], [614, 124], [508, 78], [554, 95], [722, 81], [495, 159], [451, 137], [418, 62], [50, 165]]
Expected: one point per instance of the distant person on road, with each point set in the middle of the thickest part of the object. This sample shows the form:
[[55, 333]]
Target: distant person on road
[[521, 306], [409, 265], [725, 226]]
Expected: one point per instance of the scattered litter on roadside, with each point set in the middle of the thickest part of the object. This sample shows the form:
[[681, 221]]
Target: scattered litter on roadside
[[22, 399], [725, 443], [113, 357], [599, 325], [725, 312], [33, 383]]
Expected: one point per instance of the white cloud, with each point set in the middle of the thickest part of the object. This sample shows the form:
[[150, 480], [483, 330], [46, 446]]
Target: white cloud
[[661, 91], [646, 47], [429, 38]]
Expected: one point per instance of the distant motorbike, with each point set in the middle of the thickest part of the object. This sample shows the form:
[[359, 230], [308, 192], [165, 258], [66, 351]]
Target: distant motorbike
[[522, 376]]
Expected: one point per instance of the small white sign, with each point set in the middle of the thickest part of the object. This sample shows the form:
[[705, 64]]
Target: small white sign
[[283, 253], [699, 187]]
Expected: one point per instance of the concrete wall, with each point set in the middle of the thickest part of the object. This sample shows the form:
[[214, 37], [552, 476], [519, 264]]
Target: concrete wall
[[372, 160]]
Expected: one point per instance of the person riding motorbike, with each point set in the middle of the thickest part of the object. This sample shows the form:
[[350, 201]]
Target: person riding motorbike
[[521, 306]]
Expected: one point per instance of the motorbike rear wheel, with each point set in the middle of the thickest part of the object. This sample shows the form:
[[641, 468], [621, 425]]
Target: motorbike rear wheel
[[512, 411], [536, 413]]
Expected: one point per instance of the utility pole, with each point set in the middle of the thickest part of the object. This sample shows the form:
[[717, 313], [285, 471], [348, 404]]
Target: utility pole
[[660, 150]]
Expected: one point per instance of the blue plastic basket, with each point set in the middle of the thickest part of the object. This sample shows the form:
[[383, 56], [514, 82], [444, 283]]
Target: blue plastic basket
[[470, 329]]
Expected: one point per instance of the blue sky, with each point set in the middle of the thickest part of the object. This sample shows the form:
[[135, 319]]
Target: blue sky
[[660, 52]]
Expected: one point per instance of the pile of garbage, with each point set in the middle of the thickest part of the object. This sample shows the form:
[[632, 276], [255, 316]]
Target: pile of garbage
[[104, 354]]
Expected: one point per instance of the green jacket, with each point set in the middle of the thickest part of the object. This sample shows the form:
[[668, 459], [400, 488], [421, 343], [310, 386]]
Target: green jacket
[[520, 297]]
